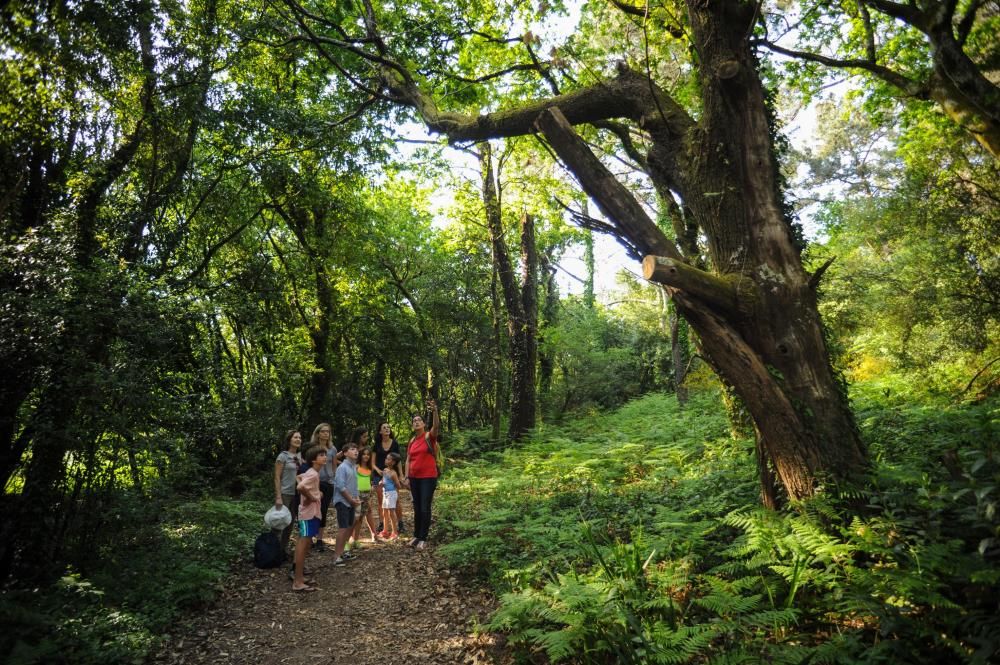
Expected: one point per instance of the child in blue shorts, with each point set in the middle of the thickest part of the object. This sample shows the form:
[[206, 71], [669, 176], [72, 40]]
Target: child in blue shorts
[[391, 482], [310, 502]]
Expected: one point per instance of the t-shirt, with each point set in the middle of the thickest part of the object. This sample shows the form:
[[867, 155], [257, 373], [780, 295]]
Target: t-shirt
[[291, 462], [421, 454], [330, 468], [364, 480], [309, 504], [345, 479]]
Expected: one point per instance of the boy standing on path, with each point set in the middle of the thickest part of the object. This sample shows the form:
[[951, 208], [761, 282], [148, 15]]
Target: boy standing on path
[[309, 509], [323, 437], [345, 499]]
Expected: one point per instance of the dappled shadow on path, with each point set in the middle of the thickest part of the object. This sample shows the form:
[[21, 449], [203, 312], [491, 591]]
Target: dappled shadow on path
[[390, 605]]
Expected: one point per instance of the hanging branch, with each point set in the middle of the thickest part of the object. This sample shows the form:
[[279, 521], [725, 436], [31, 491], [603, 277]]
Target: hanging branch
[[915, 89], [972, 381]]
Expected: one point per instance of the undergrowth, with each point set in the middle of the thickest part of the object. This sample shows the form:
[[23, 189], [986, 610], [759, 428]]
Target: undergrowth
[[637, 537], [630, 537], [158, 564]]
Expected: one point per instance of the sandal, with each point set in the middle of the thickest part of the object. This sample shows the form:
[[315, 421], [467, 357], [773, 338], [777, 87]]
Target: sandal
[[305, 589], [422, 545]]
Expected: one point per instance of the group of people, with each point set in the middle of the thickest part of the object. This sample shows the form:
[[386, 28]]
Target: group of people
[[308, 479]]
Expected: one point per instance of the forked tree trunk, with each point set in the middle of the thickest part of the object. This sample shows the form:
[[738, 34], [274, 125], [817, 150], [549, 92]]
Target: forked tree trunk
[[521, 301], [755, 314]]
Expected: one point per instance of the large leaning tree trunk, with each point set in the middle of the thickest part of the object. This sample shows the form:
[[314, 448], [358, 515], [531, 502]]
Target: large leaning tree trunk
[[521, 301], [755, 313]]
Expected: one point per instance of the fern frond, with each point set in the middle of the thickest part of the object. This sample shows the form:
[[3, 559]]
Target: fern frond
[[727, 604], [771, 619]]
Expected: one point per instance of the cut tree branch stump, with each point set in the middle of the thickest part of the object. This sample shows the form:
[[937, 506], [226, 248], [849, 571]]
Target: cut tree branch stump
[[719, 292]]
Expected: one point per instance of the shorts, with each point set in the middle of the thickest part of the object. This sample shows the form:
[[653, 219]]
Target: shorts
[[389, 499], [309, 528], [345, 516], [365, 505]]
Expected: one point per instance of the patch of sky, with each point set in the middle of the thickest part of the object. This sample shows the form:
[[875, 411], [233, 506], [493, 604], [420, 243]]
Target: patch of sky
[[799, 123]]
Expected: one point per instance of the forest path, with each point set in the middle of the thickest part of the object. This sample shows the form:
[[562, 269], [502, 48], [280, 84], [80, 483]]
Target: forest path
[[390, 605]]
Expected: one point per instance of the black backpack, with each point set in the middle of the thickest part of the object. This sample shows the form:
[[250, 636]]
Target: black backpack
[[267, 551]]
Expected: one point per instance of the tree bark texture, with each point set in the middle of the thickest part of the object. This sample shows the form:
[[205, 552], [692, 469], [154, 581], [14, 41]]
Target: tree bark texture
[[755, 313], [521, 300]]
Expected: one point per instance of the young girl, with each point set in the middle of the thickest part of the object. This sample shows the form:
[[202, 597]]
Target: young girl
[[390, 495], [385, 443], [365, 461]]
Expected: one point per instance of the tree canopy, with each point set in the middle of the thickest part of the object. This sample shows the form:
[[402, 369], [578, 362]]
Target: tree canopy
[[219, 223]]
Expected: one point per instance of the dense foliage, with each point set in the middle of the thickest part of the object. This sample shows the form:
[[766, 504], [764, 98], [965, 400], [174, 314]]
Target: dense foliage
[[637, 535], [153, 563], [213, 230]]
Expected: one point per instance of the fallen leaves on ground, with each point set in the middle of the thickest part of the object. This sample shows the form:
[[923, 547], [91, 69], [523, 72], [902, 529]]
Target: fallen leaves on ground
[[391, 604]]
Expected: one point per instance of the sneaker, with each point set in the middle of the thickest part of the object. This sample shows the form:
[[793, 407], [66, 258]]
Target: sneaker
[[394, 536], [348, 555], [340, 562]]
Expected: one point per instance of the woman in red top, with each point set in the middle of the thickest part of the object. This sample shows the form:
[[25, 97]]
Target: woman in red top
[[422, 472]]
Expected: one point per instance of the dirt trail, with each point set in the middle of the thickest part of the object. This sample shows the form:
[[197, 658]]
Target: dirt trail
[[389, 606]]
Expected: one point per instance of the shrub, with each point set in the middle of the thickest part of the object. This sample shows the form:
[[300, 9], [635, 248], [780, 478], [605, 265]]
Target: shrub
[[676, 563], [169, 561]]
